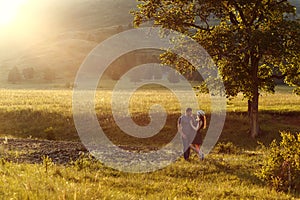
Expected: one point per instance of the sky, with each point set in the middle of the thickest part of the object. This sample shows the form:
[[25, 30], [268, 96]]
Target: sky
[[25, 22]]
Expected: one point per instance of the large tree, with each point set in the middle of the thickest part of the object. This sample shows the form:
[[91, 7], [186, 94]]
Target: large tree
[[252, 42]]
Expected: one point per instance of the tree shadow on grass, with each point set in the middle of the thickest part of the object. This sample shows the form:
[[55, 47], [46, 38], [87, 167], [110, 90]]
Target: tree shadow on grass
[[27, 123], [44, 124], [244, 173], [236, 128]]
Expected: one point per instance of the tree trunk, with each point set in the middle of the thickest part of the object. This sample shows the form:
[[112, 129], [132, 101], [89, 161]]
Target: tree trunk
[[249, 108], [254, 125]]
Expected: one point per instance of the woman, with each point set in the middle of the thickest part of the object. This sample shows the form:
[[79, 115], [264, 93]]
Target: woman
[[201, 124]]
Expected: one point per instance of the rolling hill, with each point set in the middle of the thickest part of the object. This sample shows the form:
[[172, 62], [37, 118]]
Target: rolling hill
[[71, 29]]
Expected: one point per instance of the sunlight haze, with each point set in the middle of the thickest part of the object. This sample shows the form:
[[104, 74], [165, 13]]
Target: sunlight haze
[[9, 10]]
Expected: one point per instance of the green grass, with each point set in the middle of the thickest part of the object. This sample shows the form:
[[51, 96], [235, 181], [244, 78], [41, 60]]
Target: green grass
[[218, 177], [48, 114], [32, 113]]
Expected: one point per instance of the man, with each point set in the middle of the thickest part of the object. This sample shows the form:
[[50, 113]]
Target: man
[[186, 130]]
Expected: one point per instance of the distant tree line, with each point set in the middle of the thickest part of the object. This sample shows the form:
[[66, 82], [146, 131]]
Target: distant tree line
[[15, 75], [126, 62]]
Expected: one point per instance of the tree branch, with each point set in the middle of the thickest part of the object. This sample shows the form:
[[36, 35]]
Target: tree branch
[[282, 76], [275, 4], [233, 19], [255, 9], [241, 12], [198, 27], [275, 76]]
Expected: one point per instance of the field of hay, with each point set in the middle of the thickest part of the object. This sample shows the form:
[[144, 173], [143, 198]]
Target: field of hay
[[47, 114]]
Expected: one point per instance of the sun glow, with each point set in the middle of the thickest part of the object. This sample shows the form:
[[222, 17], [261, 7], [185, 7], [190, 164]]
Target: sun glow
[[9, 10]]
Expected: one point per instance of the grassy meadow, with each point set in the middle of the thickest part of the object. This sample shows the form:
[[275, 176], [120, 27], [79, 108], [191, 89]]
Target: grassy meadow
[[219, 176], [47, 114], [41, 157]]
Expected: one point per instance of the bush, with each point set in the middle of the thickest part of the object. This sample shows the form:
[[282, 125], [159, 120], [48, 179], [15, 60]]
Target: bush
[[227, 148], [47, 162], [281, 168], [83, 162], [50, 135]]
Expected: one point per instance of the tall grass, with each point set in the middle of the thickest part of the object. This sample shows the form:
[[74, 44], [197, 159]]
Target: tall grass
[[218, 177], [48, 114]]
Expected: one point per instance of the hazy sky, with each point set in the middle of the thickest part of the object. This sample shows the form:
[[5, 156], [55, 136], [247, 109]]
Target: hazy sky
[[25, 22]]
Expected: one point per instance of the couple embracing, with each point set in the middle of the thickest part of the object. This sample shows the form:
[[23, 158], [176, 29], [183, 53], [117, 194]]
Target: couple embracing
[[190, 130]]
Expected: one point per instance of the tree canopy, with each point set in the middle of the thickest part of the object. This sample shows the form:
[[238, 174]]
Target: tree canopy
[[252, 42]]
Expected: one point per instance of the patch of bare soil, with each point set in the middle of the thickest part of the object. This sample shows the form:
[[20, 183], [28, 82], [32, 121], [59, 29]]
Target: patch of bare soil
[[32, 150]]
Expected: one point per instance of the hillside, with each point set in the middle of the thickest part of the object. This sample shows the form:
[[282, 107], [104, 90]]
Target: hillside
[[63, 53], [71, 29]]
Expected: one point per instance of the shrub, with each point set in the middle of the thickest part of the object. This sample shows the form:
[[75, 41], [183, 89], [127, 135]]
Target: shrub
[[3, 161], [83, 162], [281, 168], [50, 135], [47, 162], [227, 148]]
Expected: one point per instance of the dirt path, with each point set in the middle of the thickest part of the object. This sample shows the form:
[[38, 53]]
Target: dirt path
[[32, 150], [61, 152]]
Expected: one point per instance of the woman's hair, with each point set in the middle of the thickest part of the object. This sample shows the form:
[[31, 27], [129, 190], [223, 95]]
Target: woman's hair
[[203, 119]]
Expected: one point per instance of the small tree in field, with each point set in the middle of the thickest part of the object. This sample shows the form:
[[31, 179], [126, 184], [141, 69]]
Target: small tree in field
[[49, 74], [14, 75], [252, 42], [28, 73]]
